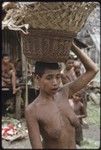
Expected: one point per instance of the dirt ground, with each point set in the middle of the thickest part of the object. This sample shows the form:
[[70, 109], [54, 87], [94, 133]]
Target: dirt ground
[[92, 133]]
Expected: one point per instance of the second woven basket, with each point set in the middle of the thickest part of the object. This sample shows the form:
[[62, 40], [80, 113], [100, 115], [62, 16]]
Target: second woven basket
[[47, 45]]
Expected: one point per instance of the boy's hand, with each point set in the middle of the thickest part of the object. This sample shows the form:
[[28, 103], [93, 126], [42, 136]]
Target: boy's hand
[[78, 116], [14, 91]]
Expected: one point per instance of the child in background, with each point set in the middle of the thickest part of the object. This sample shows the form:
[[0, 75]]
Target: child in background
[[79, 110], [68, 75]]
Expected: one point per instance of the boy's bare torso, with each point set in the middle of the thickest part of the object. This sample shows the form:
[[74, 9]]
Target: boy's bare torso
[[56, 122]]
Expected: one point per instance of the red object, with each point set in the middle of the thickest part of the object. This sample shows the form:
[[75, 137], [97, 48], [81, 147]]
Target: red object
[[8, 128]]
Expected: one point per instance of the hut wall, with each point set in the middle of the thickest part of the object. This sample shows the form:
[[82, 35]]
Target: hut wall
[[11, 44]]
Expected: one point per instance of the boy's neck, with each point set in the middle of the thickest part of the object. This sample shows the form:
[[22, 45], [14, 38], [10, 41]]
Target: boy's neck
[[68, 69], [76, 102], [45, 96]]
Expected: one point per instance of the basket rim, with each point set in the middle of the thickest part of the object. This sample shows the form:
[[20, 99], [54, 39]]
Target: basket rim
[[51, 32]]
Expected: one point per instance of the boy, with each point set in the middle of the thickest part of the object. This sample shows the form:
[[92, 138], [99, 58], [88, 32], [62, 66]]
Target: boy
[[79, 110], [77, 68], [8, 73], [50, 114], [78, 71], [68, 74]]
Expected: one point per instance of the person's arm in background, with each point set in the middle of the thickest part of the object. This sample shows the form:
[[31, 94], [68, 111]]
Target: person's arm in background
[[64, 79], [83, 112], [85, 78]]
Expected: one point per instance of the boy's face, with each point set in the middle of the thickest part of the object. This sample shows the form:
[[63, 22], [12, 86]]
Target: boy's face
[[6, 59], [77, 97], [77, 69], [50, 81], [70, 64]]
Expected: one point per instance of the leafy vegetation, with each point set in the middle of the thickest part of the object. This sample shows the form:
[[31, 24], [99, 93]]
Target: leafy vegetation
[[92, 119], [93, 114]]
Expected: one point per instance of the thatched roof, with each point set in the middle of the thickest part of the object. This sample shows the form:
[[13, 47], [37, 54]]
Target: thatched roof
[[69, 16]]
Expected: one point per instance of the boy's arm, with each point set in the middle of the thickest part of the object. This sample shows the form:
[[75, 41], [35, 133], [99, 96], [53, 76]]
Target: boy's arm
[[5, 80], [83, 112], [33, 128], [63, 79], [13, 67], [84, 79]]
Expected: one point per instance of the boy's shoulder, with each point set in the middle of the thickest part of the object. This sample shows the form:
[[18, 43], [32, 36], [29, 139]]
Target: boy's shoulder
[[81, 104], [32, 106], [11, 64]]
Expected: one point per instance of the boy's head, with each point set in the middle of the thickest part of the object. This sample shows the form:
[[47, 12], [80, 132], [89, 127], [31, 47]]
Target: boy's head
[[48, 76], [77, 97], [41, 67], [5, 58], [77, 68], [69, 63]]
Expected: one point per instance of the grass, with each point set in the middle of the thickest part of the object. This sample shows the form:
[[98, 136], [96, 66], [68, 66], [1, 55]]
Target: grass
[[93, 112], [94, 119], [97, 77], [90, 144]]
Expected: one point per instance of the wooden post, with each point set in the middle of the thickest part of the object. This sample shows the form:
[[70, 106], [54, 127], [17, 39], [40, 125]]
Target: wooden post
[[18, 104], [24, 72], [26, 94], [23, 61]]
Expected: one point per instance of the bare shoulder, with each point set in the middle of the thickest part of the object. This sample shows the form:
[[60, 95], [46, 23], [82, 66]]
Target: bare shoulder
[[64, 91], [81, 104], [31, 109], [11, 65]]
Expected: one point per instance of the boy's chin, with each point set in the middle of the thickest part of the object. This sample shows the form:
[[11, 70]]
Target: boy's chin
[[54, 91]]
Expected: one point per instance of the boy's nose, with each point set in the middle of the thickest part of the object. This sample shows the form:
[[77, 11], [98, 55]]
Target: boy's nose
[[54, 82]]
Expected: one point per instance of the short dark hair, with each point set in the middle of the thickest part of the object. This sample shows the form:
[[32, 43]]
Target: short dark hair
[[5, 55], [70, 57], [40, 67]]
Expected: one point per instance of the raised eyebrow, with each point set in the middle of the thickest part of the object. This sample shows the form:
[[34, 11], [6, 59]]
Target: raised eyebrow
[[49, 75]]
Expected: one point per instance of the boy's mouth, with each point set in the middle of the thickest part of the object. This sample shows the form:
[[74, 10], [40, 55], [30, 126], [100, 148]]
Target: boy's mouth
[[55, 89]]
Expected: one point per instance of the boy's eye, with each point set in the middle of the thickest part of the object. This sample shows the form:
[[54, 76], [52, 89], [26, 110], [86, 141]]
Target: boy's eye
[[49, 77], [58, 77]]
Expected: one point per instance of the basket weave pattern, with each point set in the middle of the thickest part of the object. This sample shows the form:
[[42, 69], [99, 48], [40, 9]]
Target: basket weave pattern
[[69, 16], [54, 27], [47, 45]]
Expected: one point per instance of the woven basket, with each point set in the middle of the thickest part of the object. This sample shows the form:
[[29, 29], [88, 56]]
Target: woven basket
[[54, 26], [47, 45], [69, 16]]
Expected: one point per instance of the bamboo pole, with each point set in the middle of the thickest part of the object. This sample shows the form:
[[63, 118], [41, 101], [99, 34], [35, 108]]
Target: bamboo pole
[[26, 95], [25, 73], [23, 61], [18, 104]]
